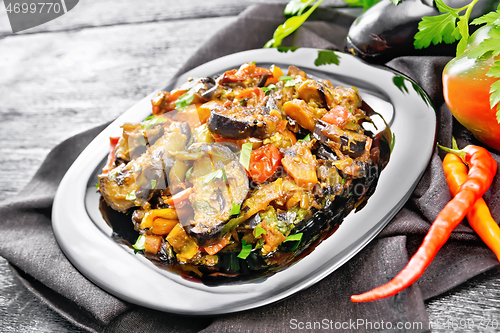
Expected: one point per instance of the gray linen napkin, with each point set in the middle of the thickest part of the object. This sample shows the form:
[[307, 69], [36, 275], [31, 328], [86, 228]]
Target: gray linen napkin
[[30, 247]]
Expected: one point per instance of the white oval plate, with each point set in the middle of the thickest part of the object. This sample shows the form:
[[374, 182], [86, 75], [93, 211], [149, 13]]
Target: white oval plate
[[85, 237]]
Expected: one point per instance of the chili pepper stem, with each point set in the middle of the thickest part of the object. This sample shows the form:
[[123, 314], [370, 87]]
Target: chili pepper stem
[[459, 152]]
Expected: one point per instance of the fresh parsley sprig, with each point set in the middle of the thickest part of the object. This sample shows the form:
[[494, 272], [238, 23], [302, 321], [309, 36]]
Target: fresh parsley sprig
[[451, 26], [292, 24]]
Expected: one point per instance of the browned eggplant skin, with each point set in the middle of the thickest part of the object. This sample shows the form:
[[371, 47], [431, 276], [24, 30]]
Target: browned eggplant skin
[[129, 185], [242, 122], [386, 31]]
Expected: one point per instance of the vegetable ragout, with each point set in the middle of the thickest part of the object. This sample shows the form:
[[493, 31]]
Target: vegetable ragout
[[239, 175]]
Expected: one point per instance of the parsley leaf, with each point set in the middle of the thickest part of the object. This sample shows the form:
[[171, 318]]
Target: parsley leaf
[[235, 209], [184, 101], [246, 151], [260, 231], [399, 82], [245, 250], [218, 174], [326, 57], [290, 25], [131, 196], [492, 18], [297, 7], [140, 244], [488, 47], [495, 88], [436, 29]]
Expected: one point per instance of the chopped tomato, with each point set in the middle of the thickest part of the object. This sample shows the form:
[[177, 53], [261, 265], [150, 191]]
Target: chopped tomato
[[244, 72], [264, 162], [110, 163], [337, 116]]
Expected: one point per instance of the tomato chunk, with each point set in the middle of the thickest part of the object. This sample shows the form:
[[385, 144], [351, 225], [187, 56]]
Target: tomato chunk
[[337, 116], [264, 162]]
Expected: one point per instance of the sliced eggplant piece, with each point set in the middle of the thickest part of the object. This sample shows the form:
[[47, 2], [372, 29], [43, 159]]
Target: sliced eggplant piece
[[347, 142], [313, 91], [129, 185], [219, 182], [239, 122]]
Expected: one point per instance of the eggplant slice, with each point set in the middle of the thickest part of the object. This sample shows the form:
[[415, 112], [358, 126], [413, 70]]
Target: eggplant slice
[[239, 122], [219, 182], [129, 185]]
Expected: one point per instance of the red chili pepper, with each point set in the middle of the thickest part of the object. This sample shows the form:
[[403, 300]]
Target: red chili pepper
[[479, 217], [482, 170]]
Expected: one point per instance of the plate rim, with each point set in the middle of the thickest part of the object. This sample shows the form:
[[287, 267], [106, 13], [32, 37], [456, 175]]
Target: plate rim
[[60, 214]]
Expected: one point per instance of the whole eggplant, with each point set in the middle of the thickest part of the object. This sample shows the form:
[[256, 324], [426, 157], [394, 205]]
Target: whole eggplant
[[386, 31]]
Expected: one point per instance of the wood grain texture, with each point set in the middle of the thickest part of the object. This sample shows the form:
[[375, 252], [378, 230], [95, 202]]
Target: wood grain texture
[[89, 66]]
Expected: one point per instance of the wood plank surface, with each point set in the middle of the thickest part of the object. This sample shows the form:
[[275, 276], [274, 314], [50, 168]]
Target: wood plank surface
[[60, 78]]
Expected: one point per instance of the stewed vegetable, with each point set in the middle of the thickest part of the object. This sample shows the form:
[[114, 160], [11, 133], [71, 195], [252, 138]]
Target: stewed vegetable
[[240, 175]]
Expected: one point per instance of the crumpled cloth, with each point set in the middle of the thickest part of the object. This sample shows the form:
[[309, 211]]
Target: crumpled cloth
[[29, 245]]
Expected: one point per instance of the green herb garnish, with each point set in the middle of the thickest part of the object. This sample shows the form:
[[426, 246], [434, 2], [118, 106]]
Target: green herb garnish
[[140, 244], [292, 83], [290, 25], [268, 89], [150, 117], [131, 196], [218, 174], [246, 151], [97, 185], [235, 209], [184, 101], [294, 237], [153, 183], [286, 78], [189, 172], [306, 138], [260, 231], [245, 250]]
